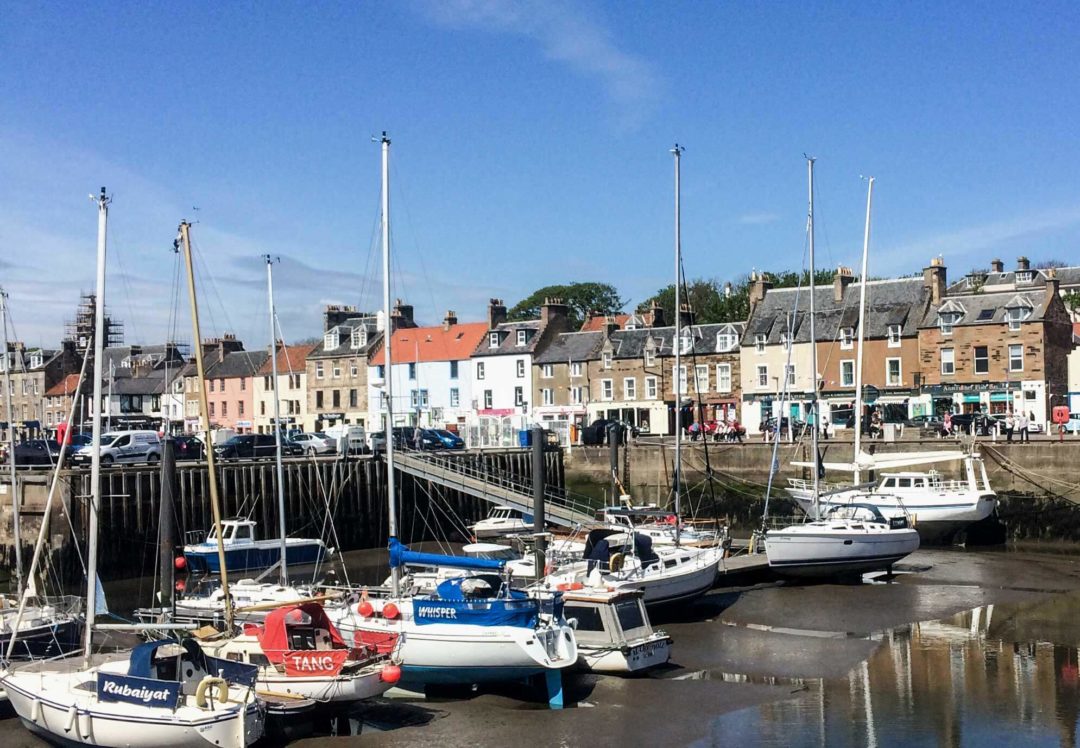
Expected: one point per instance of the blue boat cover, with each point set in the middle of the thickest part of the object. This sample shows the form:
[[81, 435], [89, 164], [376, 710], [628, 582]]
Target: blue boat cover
[[140, 664], [483, 612], [400, 555]]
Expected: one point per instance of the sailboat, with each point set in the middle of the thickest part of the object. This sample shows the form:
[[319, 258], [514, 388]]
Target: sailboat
[[162, 693], [49, 626], [655, 560], [849, 539], [939, 507], [473, 628], [298, 650]]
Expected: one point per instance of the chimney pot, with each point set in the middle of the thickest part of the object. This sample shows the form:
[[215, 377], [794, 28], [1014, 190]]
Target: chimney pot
[[997, 265], [1022, 263]]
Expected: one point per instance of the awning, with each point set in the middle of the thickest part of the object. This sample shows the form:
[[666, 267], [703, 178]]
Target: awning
[[1000, 397], [892, 399], [968, 398]]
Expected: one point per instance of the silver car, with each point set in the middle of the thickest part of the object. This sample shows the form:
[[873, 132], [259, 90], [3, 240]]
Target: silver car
[[314, 443]]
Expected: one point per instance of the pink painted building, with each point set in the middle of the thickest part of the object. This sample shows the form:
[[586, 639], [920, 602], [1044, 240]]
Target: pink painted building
[[230, 390]]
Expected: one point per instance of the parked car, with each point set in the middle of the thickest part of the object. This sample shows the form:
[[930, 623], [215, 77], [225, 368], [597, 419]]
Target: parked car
[[405, 437], [314, 443], [347, 438], [123, 447], [33, 452], [440, 439], [254, 446], [376, 441], [597, 432], [189, 448]]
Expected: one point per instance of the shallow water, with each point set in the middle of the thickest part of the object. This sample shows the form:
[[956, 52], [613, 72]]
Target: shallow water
[[972, 679]]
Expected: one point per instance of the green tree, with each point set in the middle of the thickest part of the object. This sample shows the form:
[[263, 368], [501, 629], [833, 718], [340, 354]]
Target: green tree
[[582, 298]]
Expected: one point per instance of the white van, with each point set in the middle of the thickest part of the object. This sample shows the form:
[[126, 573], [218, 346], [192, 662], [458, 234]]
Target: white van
[[347, 439], [123, 446]]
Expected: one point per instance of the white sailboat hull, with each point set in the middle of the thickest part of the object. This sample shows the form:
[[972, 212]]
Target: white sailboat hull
[[462, 653], [817, 549], [660, 583], [55, 706]]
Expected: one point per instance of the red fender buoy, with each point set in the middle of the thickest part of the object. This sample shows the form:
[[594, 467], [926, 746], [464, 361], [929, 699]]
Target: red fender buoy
[[180, 563], [365, 609], [390, 611], [390, 674]]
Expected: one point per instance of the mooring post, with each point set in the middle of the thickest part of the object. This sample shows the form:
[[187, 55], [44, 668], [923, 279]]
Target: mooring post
[[539, 480], [614, 434], [166, 528]]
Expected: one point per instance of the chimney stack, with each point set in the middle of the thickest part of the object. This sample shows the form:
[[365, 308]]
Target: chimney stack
[[843, 279], [610, 325], [934, 280], [335, 314], [449, 320], [1053, 284], [1022, 263], [997, 266], [553, 309], [401, 316], [686, 316], [655, 315], [496, 313], [760, 283]]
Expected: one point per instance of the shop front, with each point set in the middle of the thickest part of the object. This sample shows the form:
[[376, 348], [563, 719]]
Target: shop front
[[994, 398]]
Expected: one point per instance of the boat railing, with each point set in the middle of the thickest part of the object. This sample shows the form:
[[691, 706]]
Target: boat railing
[[804, 484]]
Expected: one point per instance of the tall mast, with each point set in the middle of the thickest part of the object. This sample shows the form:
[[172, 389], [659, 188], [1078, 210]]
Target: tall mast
[[677, 338], [95, 454], [862, 318], [388, 379], [8, 396], [184, 240], [284, 574], [813, 345]]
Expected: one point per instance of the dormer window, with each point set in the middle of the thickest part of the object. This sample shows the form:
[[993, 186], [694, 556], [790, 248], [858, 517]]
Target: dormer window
[[650, 357], [759, 342], [607, 359], [358, 338], [1016, 315], [36, 360], [1024, 276], [894, 336], [847, 338], [686, 340], [946, 321], [493, 340], [331, 340], [522, 337], [631, 324], [726, 340]]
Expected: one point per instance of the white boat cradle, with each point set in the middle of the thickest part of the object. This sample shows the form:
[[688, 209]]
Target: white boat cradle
[[666, 574], [299, 653], [502, 520], [939, 507], [165, 693], [851, 539], [613, 631]]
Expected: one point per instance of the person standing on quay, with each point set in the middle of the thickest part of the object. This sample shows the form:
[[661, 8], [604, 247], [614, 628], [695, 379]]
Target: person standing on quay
[[1010, 424], [1022, 424]]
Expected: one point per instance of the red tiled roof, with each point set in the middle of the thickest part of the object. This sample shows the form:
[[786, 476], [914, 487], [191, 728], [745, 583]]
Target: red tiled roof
[[595, 323], [290, 358], [1076, 329], [434, 343], [65, 386]]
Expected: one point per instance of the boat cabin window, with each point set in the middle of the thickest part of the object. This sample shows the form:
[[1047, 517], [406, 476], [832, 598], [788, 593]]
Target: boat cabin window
[[904, 482], [630, 614], [242, 532], [258, 658], [234, 656], [588, 617], [668, 563], [501, 554], [301, 638], [888, 483]]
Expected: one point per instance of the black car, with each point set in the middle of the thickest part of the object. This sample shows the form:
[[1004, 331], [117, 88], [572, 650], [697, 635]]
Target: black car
[[254, 446], [189, 448], [596, 432], [36, 452]]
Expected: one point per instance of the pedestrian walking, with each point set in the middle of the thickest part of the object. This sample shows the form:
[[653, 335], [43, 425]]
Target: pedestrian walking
[[1010, 424], [946, 424], [1023, 425]]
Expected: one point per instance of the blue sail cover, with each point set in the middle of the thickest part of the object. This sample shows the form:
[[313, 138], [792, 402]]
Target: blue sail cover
[[400, 555], [451, 604]]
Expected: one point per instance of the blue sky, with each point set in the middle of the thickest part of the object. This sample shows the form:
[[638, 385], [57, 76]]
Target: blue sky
[[531, 146]]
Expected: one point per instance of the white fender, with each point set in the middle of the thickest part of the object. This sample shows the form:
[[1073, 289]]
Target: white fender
[[72, 715], [35, 711]]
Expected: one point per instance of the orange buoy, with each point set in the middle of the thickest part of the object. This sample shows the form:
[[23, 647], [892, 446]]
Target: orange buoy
[[179, 586], [365, 609], [390, 674], [390, 611], [180, 563]]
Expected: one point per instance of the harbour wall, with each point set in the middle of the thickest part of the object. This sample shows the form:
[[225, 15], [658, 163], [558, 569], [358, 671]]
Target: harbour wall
[[341, 500]]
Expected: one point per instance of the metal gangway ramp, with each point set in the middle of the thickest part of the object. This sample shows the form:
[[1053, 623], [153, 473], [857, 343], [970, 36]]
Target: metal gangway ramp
[[496, 486]]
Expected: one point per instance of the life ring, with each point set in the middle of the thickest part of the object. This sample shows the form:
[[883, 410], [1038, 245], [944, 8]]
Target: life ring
[[221, 690], [615, 563]]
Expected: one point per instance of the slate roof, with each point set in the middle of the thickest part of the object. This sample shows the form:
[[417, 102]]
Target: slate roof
[[508, 339], [572, 346], [433, 343], [345, 349], [632, 343], [988, 308], [238, 364], [900, 301], [141, 370], [1006, 281]]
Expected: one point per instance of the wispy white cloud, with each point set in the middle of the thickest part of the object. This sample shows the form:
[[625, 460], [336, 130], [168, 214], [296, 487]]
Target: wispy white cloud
[[565, 33], [758, 219], [983, 239]]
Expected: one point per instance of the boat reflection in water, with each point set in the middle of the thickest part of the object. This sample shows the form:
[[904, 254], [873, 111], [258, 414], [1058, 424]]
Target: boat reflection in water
[[956, 682]]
